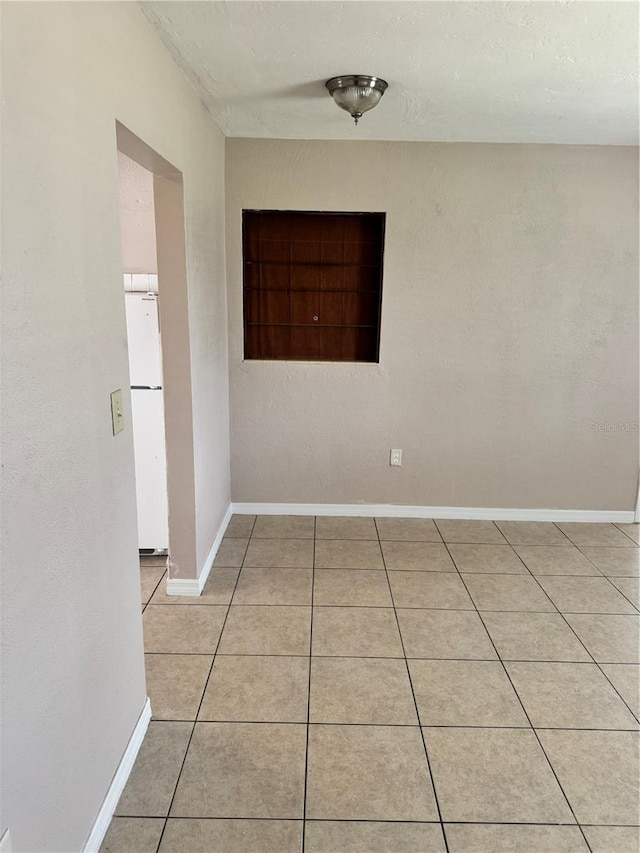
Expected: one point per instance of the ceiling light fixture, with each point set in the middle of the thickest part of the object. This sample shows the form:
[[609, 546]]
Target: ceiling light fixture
[[356, 93]]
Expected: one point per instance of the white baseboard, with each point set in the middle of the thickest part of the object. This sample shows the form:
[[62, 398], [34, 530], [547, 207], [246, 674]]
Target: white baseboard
[[118, 782], [194, 586], [393, 511]]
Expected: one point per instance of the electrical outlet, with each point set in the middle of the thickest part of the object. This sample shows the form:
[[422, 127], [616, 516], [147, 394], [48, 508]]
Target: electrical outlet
[[395, 458], [117, 413]]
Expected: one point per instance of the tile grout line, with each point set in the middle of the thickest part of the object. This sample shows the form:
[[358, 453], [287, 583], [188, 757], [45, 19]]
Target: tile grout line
[[624, 595], [206, 684], [396, 657], [306, 749], [383, 820], [504, 541], [409, 607], [146, 603], [523, 727], [569, 543], [406, 607], [415, 702], [561, 531], [506, 671]]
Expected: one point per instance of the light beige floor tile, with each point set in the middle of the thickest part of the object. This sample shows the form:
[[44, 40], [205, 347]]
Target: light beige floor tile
[[175, 684], [133, 835], [631, 530], [150, 577], [613, 839], [569, 696], [274, 586], [629, 587], [615, 562], [351, 588], [487, 558], [361, 690], [271, 689], [243, 770], [368, 773], [231, 553], [507, 592], [585, 595], [182, 629], [337, 527], [408, 529], [217, 590], [500, 838], [598, 772], [454, 634], [534, 636], [348, 554], [280, 553], [610, 639], [344, 836], [471, 532], [437, 590], [625, 677], [494, 776], [532, 533], [356, 632], [284, 527], [152, 781], [224, 835], [240, 526], [266, 630], [465, 693], [556, 560], [417, 557], [581, 533]]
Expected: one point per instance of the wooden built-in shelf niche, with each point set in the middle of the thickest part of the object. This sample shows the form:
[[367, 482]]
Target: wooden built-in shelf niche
[[312, 285]]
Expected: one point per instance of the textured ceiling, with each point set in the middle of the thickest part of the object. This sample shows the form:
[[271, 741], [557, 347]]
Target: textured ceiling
[[562, 72]]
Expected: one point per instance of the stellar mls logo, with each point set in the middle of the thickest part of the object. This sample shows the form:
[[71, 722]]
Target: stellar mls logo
[[619, 426]]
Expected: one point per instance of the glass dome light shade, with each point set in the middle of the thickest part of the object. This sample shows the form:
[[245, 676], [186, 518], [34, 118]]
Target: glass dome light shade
[[356, 93]]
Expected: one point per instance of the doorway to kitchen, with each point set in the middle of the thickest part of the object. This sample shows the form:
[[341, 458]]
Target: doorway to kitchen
[[155, 295], [140, 272]]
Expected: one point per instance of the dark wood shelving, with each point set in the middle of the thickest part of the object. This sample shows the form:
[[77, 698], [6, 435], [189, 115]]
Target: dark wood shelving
[[319, 310], [319, 264]]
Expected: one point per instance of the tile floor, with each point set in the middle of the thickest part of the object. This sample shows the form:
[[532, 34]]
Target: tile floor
[[405, 685]]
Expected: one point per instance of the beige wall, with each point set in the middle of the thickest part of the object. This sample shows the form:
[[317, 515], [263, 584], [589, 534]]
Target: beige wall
[[72, 668], [509, 328], [137, 219]]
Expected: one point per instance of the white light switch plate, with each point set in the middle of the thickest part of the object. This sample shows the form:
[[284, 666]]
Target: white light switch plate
[[117, 412]]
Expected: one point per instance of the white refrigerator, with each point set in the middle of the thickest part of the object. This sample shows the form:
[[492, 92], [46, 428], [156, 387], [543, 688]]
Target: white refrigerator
[[147, 413]]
